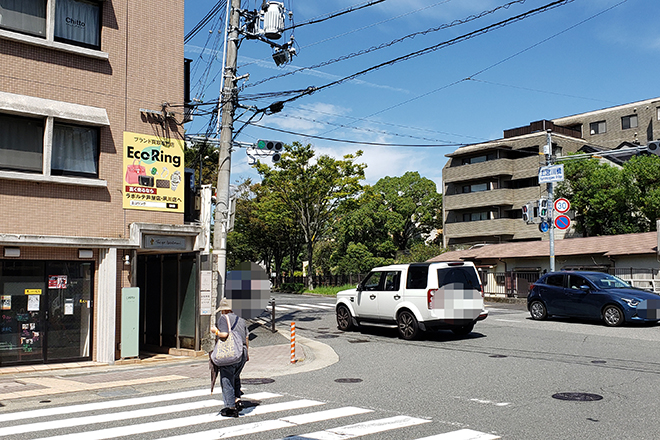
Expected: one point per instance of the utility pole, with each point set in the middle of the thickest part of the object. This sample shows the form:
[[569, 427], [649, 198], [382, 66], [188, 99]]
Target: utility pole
[[224, 154], [551, 203]]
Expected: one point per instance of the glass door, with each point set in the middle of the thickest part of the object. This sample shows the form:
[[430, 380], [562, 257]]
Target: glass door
[[22, 288], [69, 310]]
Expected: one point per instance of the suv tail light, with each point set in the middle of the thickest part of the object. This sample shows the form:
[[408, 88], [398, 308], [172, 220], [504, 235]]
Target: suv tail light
[[531, 286], [482, 290], [429, 297]]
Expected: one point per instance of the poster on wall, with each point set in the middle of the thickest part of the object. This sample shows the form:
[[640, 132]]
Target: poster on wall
[[6, 302], [57, 281], [33, 303], [153, 173]]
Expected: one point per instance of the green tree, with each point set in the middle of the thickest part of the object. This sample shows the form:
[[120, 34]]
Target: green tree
[[643, 176], [601, 196], [312, 187]]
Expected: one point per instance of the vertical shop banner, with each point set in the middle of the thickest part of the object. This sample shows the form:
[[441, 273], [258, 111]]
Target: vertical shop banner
[[153, 173]]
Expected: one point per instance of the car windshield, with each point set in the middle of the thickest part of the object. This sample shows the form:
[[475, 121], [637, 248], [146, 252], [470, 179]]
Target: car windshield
[[605, 281]]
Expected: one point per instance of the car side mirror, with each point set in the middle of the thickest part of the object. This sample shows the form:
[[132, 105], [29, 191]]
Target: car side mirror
[[359, 288], [586, 288]]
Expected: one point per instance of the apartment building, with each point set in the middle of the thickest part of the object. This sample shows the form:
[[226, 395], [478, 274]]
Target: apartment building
[[486, 184], [96, 260]]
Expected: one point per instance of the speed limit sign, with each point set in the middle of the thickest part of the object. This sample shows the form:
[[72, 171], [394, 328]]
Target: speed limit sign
[[562, 205]]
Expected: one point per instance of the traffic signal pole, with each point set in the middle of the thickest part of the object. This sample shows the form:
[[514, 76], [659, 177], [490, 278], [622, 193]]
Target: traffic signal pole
[[551, 208], [226, 106]]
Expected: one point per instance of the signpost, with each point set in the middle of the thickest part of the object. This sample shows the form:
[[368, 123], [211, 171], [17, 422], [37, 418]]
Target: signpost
[[562, 222], [551, 173], [562, 205]]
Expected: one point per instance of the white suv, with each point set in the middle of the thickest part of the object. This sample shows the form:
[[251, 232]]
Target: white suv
[[416, 297]]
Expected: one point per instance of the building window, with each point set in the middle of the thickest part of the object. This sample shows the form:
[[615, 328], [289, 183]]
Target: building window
[[477, 187], [628, 122], [21, 143], [26, 16], [598, 127], [78, 22], [74, 149], [475, 216], [478, 159]]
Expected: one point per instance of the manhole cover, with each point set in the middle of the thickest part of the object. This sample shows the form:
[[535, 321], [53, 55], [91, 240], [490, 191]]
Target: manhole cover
[[348, 380], [497, 356], [598, 362], [578, 397], [326, 336], [257, 381]]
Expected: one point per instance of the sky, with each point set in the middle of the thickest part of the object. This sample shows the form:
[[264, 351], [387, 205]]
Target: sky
[[581, 56]]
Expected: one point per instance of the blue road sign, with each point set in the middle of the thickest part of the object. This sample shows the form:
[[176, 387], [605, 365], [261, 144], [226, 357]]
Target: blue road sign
[[562, 222], [544, 226]]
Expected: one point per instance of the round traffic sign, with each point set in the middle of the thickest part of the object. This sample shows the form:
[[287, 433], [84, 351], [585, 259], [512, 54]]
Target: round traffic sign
[[544, 226], [562, 205], [562, 222]]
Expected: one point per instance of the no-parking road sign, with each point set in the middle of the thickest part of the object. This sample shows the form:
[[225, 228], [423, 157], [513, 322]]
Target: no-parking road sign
[[562, 222]]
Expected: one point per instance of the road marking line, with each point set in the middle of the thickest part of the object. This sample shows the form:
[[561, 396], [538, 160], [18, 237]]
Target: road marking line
[[162, 425], [364, 428], [33, 414], [291, 306], [462, 434], [123, 415], [269, 425], [506, 320], [317, 306], [333, 305]]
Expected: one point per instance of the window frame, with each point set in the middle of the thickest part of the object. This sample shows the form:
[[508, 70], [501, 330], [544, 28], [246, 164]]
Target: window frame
[[629, 120], [597, 125], [54, 112], [49, 40]]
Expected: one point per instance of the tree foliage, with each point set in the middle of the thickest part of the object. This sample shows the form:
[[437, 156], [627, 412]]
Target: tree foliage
[[312, 188], [609, 200]]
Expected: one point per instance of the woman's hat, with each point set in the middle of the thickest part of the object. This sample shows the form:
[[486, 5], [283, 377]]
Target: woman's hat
[[224, 305]]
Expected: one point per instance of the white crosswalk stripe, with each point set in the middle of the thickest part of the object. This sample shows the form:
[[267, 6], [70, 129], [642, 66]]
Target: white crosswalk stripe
[[360, 429], [317, 306], [164, 416]]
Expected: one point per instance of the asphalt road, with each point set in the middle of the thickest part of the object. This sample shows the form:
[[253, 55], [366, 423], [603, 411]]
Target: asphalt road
[[498, 382]]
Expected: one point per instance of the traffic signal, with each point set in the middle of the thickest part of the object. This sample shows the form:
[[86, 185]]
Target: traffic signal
[[543, 208], [527, 213], [274, 146]]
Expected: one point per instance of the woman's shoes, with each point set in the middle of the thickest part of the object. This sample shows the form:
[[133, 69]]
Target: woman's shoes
[[229, 412], [240, 405]]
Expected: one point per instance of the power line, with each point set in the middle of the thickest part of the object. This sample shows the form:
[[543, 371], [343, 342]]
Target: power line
[[214, 10], [336, 14], [436, 47], [393, 42], [347, 141]]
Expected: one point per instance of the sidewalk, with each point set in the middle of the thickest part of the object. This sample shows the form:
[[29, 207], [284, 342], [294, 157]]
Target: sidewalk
[[270, 356]]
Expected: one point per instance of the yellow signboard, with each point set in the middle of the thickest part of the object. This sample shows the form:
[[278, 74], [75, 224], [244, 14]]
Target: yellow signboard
[[153, 173], [33, 291]]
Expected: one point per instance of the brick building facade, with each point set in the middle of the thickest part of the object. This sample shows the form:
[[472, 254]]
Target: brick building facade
[[77, 79]]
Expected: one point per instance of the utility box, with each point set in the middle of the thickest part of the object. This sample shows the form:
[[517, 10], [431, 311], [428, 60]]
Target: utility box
[[130, 322]]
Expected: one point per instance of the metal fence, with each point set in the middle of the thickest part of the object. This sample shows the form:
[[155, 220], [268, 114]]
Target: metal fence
[[518, 284]]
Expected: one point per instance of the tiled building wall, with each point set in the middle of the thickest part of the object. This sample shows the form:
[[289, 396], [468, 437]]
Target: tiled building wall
[[144, 70]]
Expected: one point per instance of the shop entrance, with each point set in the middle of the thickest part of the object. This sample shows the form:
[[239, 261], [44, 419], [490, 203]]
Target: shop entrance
[[168, 301], [46, 311]]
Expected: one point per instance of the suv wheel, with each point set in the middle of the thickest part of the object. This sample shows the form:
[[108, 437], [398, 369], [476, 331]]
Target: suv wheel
[[463, 330], [344, 318], [407, 323], [538, 311]]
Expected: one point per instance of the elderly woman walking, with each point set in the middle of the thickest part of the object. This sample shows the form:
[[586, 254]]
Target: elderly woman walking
[[230, 375]]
